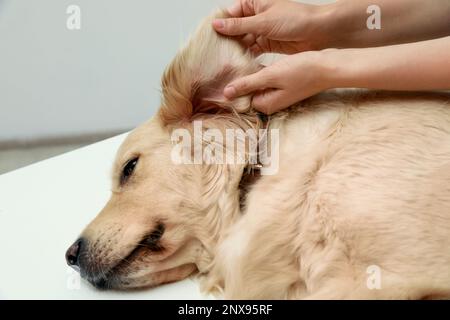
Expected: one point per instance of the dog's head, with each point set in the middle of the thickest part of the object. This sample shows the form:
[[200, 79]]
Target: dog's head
[[165, 216]]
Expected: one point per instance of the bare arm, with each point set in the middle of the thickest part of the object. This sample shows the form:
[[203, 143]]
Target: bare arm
[[401, 21], [422, 65], [290, 27]]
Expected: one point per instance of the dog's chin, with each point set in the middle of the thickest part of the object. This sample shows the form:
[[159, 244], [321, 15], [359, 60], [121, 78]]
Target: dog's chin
[[102, 283], [114, 281], [143, 267]]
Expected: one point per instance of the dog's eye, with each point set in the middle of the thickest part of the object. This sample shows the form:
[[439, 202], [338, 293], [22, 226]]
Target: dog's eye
[[152, 241], [128, 170]]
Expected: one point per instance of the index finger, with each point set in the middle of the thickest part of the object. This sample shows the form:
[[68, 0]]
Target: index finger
[[236, 9], [242, 8]]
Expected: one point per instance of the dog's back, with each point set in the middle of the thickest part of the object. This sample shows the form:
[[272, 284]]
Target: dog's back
[[360, 207]]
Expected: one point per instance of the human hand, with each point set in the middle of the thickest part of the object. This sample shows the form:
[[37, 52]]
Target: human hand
[[280, 26], [283, 83]]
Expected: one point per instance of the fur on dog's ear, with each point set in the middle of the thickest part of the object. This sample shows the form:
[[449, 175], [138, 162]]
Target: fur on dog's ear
[[192, 85]]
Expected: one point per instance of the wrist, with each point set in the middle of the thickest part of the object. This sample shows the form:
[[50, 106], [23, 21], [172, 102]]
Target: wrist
[[335, 69], [337, 24], [321, 26], [315, 26]]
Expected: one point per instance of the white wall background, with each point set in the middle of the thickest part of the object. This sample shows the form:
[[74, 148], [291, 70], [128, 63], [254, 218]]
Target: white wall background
[[104, 77]]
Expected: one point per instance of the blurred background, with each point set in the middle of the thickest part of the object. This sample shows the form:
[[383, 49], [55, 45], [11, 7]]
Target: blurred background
[[61, 89]]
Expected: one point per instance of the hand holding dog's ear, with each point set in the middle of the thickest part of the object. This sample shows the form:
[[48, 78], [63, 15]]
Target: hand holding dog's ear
[[273, 25], [283, 83]]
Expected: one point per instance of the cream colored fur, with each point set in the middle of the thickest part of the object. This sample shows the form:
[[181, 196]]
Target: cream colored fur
[[364, 180]]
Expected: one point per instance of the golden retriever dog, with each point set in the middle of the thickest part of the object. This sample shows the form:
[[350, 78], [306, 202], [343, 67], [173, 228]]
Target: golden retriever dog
[[357, 206]]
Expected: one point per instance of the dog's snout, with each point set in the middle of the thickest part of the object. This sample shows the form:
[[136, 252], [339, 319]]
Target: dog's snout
[[73, 253]]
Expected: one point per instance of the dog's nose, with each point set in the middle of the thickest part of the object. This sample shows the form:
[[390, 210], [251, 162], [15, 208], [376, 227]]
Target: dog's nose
[[73, 253]]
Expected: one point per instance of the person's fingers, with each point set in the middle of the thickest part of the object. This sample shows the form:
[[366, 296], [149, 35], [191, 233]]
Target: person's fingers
[[248, 40], [236, 10], [245, 85], [260, 46], [238, 26], [256, 50], [242, 8], [269, 101]]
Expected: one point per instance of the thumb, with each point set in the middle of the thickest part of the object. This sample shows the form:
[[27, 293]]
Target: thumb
[[245, 85], [238, 26]]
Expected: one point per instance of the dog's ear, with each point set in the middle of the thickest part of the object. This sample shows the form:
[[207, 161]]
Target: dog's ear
[[192, 85]]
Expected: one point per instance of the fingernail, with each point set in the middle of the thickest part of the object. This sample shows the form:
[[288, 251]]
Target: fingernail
[[229, 92], [218, 24]]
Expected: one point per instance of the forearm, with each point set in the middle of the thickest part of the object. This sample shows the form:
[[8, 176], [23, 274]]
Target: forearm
[[415, 66], [344, 22]]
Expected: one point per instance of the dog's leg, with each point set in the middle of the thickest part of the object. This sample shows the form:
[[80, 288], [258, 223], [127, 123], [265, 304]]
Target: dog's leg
[[252, 271], [258, 258]]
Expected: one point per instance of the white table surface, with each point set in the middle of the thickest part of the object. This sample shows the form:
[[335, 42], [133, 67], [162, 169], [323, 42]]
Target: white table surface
[[43, 208]]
